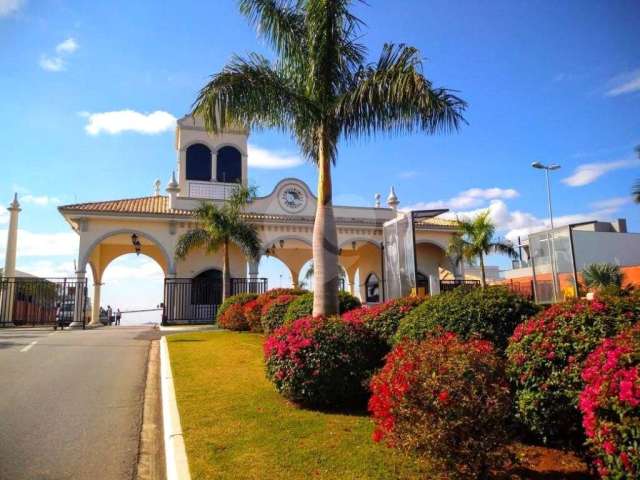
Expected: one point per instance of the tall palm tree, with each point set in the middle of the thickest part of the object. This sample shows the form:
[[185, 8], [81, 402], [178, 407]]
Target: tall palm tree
[[321, 90], [475, 240], [308, 276], [218, 227]]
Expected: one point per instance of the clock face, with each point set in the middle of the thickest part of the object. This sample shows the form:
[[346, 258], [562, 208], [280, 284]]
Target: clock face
[[292, 198]]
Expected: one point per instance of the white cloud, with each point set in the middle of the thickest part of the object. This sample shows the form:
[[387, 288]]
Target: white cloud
[[611, 203], [4, 216], [474, 197], [40, 200], [52, 64], [67, 46], [7, 7], [120, 121], [408, 174], [272, 160], [32, 244], [589, 172], [626, 83]]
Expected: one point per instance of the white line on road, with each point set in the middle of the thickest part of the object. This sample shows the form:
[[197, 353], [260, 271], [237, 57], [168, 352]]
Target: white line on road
[[28, 347]]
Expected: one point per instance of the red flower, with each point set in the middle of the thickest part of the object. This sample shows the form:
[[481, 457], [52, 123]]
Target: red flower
[[443, 397]]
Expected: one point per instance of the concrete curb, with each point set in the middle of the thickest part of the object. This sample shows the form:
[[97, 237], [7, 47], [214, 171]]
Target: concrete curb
[[174, 449]]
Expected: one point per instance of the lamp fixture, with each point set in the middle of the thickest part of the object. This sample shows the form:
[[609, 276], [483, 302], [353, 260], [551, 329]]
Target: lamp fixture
[[137, 246], [353, 245], [281, 243]]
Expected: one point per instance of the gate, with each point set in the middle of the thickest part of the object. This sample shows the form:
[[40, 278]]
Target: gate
[[31, 302], [189, 301]]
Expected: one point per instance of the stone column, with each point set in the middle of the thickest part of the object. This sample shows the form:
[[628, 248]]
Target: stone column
[[95, 306], [7, 297], [79, 301], [434, 285]]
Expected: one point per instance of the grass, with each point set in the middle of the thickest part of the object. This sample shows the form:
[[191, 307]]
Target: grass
[[236, 426]]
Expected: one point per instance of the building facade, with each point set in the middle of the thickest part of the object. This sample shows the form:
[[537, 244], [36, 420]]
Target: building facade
[[208, 168]]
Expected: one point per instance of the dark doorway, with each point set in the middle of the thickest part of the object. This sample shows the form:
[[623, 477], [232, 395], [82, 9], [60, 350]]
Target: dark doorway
[[372, 286]]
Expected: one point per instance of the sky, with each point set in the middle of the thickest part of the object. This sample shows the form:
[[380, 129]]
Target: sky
[[91, 90]]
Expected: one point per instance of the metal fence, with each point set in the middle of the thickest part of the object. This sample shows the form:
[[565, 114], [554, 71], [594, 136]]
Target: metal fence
[[448, 285], [248, 285], [31, 302]]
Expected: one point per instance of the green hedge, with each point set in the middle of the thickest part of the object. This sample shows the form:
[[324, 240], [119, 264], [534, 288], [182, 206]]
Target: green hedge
[[240, 298], [491, 314], [303, 305]]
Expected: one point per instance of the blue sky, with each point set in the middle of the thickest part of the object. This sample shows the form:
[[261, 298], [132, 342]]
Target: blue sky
[[549, 81]]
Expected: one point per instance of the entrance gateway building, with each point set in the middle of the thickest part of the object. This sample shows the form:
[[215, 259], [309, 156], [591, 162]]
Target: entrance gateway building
[[384, 252]]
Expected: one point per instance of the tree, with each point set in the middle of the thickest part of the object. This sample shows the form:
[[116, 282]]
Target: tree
[[308, 276], [603, 276], [475, 240], [217, 227], [321, 91]]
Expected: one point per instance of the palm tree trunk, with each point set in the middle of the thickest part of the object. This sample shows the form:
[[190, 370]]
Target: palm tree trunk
[[483, 277], [226, 278], [325, 239]]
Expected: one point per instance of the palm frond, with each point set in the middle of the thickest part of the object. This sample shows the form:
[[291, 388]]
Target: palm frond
[[394, 96], [246, 236], [602, 275], [191, 240]]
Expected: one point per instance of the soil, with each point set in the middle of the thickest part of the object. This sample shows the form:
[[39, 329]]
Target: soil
[[544, 463]]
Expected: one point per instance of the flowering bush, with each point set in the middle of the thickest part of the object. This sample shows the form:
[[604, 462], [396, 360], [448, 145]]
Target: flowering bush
[[234, 318], [546, 354], [383, 318], [272, 315], [322, 362], [491, 313], [240, 298], [303, 305], [610, 405], [445, 399], [252, 313]]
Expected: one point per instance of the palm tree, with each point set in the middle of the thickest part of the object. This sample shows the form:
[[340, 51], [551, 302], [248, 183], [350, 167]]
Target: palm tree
[[600, 276], [475, 240], [636, 187], [308, 276], [321, 90], [217, 227]]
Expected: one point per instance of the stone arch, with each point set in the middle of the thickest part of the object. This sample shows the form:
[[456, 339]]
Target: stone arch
[[431, 258]]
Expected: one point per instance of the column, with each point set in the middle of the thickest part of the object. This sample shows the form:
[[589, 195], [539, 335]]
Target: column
[[7, 296], [79, 301], [434, 285], [95, 306]]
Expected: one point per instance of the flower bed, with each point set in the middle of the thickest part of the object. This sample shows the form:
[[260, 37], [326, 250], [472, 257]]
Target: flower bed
[[322, 362], [239, 299], [303, 305], [445, 399], [610, 405], [546, 355], [273, 312]]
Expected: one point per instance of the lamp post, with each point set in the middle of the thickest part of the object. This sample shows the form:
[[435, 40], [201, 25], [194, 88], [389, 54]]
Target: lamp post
[[552, 253]]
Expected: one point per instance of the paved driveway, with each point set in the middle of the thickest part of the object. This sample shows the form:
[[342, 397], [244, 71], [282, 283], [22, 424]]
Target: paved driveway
[[71, 402]]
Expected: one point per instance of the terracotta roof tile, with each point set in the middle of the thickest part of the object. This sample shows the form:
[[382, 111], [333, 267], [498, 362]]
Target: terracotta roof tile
[[154, 205]]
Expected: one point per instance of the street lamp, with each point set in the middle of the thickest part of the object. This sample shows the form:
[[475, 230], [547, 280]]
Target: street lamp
[[552, 253]]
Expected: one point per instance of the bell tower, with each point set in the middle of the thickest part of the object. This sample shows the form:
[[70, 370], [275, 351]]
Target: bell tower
[[209, 166]]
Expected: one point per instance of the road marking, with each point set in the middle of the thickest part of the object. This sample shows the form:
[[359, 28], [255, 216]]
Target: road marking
[[28, 347]]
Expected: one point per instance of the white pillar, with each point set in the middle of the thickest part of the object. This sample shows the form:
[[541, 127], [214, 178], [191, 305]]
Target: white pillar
[[95, 307], [79, 301], [7, 296], [12, 238], [434, 285]]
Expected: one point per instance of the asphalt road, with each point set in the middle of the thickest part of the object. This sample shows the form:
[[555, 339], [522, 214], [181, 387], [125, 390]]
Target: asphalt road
[[71, 402]]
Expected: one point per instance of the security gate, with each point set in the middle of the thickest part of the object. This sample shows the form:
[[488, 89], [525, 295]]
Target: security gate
[[31, 302]]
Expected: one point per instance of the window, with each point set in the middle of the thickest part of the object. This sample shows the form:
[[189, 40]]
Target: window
[[198, 162], [229, 165], [206, 288], [372, 286]]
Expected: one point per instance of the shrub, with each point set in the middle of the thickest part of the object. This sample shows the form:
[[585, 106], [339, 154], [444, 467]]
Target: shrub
[[446, 400], [609, 405], [323, 362], [303, 305], [240, 298], [546, 354], [383, 318], [272, 315], [491, 313], [234, 318], [252, 313]]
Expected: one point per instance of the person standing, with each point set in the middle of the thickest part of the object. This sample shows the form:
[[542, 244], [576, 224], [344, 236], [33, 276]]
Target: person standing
[[109, 315], [118, 316]]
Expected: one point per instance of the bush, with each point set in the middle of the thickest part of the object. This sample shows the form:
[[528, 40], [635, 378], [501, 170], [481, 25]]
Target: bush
[[323, 362], [303, 305], [252, 313], [273, 312], [446, 400], [383, 318], [491, 314], [234, 318], [609, 405], [240, 298], [546, 354]]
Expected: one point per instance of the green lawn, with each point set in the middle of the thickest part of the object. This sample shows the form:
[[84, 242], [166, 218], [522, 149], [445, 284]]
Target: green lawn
[[236, 426]]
